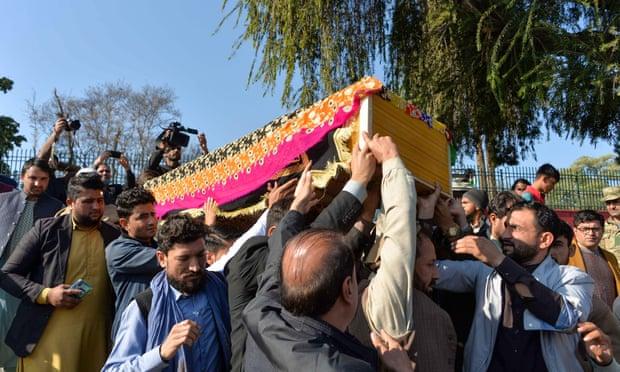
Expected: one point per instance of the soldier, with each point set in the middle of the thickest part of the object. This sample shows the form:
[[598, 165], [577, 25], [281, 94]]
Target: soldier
[[611, 236]]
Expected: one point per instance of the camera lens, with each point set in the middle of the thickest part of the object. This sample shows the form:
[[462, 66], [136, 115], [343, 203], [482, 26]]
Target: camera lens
[[75, 125]]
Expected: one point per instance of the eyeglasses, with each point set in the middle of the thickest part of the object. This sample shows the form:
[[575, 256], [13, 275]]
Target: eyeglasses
[[591, 230]]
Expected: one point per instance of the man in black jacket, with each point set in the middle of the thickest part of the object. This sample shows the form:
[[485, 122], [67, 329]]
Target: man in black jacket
[[21, 209], [242, 272], [308, 293], [58, 327]]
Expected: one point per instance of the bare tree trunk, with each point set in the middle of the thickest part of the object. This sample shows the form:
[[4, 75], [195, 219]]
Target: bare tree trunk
[[481, 165], [490, 163]]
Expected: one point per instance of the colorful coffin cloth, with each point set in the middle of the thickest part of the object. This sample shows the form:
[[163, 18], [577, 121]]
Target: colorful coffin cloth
[[236, 175]]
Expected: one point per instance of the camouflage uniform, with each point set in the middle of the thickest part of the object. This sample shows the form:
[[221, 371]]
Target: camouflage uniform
[[611, 238], [611, 235]]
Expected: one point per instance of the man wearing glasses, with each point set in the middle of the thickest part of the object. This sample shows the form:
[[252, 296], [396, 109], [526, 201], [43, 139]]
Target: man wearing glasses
[[590, 257]]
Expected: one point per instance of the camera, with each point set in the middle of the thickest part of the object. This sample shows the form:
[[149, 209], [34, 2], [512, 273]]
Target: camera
[[73, 125], [175, 136]]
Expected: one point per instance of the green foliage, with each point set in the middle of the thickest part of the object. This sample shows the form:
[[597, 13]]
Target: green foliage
[[581, 184], [495, 71], [6, 84], [8, 127]]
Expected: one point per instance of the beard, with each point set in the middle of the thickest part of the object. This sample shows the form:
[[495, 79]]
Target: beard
[[420, 285], [519, 251], [187, 286], [87, 221]]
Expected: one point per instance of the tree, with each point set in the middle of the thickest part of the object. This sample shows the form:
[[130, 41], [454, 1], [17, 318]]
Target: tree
[[495, 71], [581, 184], [8, 130], [114, 116]]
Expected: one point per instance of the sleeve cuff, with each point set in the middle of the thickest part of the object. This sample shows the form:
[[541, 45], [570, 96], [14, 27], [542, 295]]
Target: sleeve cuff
[[151, 360], [510, 271], [356, 189], [392, 163], [42, 298]]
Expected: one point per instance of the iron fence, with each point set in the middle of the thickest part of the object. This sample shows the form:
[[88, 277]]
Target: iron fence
[[11, 163], [576, 189]]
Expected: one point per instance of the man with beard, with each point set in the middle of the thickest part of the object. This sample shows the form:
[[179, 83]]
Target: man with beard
[[22, 209], [434, 345], [131, 258], [170, 154], [181, 323], [600, 315], [434, 332], [591, 258], [527, 306], [58, 327]]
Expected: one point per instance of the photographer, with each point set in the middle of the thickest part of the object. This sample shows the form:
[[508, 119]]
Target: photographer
[[113, 190], [58, 185], [169, 147]]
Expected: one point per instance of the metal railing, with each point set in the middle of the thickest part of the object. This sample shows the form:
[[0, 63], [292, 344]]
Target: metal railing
[[577, 189], [14, 160]]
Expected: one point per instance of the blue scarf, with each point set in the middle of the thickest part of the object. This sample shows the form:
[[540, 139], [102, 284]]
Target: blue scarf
[[164, 314]]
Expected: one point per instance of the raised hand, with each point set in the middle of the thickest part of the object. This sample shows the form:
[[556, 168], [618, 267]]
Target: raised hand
[[363, 165], [383, 148], [123, 161], [210, 210], [278, 192], [482, 249], [426, 204], [392, 354], [202, 141], [305, 198]]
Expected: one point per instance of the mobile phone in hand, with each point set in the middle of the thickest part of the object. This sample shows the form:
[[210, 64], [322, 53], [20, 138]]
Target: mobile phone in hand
[[115, 154], [84, 288]]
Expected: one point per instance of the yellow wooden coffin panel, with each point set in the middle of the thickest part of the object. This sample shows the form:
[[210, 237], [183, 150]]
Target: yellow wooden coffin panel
[[424, 149]]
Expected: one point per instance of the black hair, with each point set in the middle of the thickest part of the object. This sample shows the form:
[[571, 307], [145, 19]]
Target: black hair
[[588, 215], [518, 181], [546, 219], [215, 241], [146, 175], [80, 182], [179, 229], [564, 230], [36, 162], [502, 202], [129, 199], [548, 170], [315, 294], [277, 211]]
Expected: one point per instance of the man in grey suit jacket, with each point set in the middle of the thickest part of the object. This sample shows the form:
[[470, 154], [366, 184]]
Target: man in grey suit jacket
[[20, 210]]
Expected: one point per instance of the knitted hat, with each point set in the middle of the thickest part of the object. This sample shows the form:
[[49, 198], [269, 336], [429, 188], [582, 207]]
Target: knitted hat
[[478, 197]]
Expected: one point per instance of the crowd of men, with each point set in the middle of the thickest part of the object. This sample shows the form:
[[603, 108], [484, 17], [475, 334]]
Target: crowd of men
[[379, 279]]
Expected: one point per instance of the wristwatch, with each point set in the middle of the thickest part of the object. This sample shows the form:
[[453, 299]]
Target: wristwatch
[[454, 232]]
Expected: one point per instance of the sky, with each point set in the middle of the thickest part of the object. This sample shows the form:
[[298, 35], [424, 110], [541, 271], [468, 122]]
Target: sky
[[71, 45]]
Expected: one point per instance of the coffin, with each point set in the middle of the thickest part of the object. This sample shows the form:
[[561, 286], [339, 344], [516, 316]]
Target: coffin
[[236, 175]]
